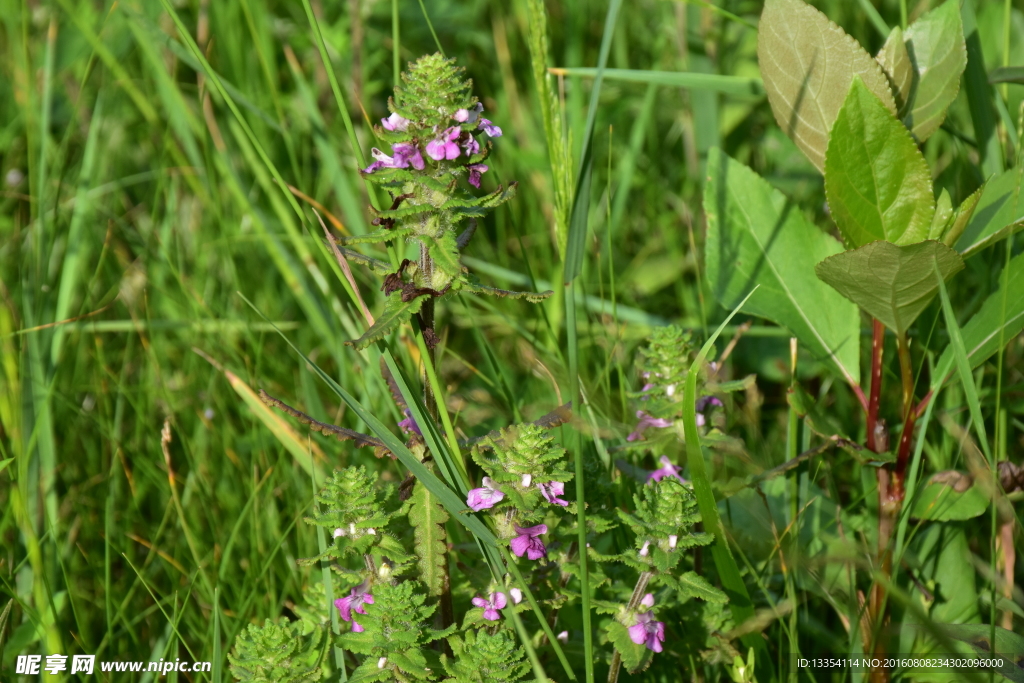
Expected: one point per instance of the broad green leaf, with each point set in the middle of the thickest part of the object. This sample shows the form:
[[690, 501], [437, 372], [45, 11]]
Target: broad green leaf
[[634, 657], [939, 502], [890, 282], [5, 463], [935, 43], [877, 182], [395, 313], [979, 638], [998, 211], [807, 64], [981, 334], [895, 62], [757, 237], [945, 559]]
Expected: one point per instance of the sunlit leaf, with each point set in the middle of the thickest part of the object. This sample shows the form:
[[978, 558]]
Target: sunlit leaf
[[756, 237], [808, 63], [890, 282], [877, 182], [895, 62], [998, 211], [935, 43]]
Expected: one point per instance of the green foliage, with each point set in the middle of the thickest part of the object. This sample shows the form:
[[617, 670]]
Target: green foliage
[[635, 657], [480, 657], [939, 501], [518, 451], [395, 313], [351, 506], [428, 517], [936, 49], [756, 237], [808, 64], [397, 632], [274, 653], [877, 182], [891, 283], [662, 522], [999, 212]]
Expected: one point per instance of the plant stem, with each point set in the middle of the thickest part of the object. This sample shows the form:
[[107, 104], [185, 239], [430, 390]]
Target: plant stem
[[877, 346], [634, 601], [876, 442]]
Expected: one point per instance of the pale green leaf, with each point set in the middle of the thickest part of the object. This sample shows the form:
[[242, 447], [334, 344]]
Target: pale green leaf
[[998, 211], [895, 62], [445, 253], [939, 502], [808, 63], [395, 313], [935, 43], [890, 282], [382, 235], [877, 182], [993, 323], [756, 237], [5, 463]]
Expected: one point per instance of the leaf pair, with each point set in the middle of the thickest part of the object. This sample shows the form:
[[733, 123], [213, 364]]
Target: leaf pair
[[808, 64]]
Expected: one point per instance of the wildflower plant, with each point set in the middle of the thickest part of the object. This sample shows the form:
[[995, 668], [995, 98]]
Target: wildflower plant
[[439, 142]]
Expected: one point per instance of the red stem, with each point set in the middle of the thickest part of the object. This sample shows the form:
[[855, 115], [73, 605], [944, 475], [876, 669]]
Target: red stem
[[877, 344]]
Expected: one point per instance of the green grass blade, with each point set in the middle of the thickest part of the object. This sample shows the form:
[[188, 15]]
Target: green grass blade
[[963, 367], [727, 85], [739, 600]]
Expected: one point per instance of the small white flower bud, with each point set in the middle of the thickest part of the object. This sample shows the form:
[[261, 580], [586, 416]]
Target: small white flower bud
[[352, 528], [563, 636], [648, 601], [381, 662], [372, 532], [670, 390], [527, 480], [517, 595], [643, 551], [672, 540], [339, 532]]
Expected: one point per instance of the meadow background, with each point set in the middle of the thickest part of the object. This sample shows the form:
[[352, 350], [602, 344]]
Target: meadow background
[[151, 507]]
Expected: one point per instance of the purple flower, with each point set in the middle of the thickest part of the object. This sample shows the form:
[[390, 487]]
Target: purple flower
[[484, 497], [468, 115], [551, 492], [406, 154], [354, 603], [408, 425], [471, 146], [704, 403], [409, 155], [528, 543], [489, 128], [475, 171], [446, 146], [645, 422], [491, 606], [395, 122], [667, 469], [647, 631]]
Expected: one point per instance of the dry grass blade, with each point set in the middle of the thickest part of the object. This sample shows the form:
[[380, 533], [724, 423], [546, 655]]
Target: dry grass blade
[[341, 433]]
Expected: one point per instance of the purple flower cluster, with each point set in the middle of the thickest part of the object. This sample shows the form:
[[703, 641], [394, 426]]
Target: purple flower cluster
[[445, 145], [527, 541], [354, 603], [647, 631]]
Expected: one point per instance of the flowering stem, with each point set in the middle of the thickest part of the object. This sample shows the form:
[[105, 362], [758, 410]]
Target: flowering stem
[[634, 602]]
